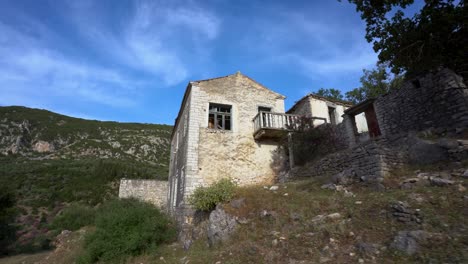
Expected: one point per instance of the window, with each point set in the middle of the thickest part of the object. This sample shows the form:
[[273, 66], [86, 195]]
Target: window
[[332, 115], [219, 117]]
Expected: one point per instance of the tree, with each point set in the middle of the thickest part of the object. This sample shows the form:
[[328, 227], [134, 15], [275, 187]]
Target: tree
[[374, 82], [7, 218], [434, 37], [330, 93]]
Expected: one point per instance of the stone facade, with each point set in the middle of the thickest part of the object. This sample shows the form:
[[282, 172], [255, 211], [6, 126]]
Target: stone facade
[[201, 155], [317, 106], [437, 101], [435, 104], [152, 191]]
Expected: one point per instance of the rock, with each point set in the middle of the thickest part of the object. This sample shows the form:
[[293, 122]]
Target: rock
[[334, 216], [237, 203], [265, 213], [403, 213], [274, 188], [461, 188], [295, 217], [441, 182], [410, 242], [448, 143], [220, 226], [345, 177], [328, 186], [426, 152], [274, 242], [465, 174], [367, 249]]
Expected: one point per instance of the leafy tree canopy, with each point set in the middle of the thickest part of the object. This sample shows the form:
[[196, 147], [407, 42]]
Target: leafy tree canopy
[[374, 82], [330, 93], [434, 37]]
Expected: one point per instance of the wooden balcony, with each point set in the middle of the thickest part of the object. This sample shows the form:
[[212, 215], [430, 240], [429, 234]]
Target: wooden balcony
[[268, 125]]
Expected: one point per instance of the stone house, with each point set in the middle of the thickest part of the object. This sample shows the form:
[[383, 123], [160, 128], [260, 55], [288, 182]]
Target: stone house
[[224, 129], [325, 110]]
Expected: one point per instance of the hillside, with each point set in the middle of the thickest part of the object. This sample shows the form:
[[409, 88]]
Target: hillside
[[48, 161], [304, 222]]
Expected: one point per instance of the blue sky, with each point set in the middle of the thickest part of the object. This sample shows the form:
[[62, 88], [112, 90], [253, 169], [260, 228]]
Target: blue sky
[[131, 60]]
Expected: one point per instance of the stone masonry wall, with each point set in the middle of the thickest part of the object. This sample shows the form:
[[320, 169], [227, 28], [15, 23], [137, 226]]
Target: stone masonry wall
[[369, 162], [152, 191], [235, 153], [436, 102], [433, 101]]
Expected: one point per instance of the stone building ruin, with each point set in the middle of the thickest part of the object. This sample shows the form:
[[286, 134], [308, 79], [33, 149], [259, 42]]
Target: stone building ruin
[[230, 127]]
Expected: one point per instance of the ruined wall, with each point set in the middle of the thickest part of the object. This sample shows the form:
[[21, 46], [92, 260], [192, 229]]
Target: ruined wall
[[370, 162], [311, 106], [433, 101], [235, 153], [152, 191], [436, 102]]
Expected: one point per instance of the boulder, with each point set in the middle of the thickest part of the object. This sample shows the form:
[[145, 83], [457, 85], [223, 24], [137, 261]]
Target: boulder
[[409, 242], [220, 226], [441, 182], [426, 152]]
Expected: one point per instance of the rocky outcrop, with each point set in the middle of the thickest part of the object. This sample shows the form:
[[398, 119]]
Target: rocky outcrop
[[410, 242], [220, 226]]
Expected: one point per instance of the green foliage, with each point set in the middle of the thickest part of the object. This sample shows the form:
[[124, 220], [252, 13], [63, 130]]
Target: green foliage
[[330, 93], [434, 37], [7, 217], [206, 198], [374, 82], [313, 142], [124, 228], [73, 218]]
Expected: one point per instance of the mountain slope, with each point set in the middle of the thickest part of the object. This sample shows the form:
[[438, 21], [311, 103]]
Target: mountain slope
[[42, 134], [48, 161]]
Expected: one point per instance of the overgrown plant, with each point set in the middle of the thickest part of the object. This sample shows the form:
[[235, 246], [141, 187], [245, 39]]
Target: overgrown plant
[[206, 198], [126, 227], [310, 142], [74, 217]]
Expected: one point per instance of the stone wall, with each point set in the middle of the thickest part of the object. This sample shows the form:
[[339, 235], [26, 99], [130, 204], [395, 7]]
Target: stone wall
[[434, 101], [152, 191], [202, 155], [368, 162], [235, 153]]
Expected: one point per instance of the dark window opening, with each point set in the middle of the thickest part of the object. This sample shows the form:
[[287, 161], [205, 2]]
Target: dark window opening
[[416, 83], [219, 117], [264, 109], [332, 115]]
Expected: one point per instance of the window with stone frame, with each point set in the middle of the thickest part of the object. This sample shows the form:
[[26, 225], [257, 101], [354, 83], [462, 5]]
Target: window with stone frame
[[219, 117]]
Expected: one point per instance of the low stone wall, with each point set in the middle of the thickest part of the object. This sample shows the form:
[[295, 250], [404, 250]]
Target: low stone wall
[[152, 191], [369, 162]]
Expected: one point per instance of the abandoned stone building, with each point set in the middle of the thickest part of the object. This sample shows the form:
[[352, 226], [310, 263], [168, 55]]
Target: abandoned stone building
[[222, 130], [325, 110], [230, 127]]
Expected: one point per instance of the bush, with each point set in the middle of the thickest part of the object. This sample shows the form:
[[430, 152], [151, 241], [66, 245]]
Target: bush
[[124, 228], [206, 198], [7, 220], [73, 218]]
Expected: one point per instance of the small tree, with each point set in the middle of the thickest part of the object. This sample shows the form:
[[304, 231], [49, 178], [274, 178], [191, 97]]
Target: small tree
[[206, 198]]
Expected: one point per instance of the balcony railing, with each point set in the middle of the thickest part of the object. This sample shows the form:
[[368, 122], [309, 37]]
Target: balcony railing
[[274, 125]]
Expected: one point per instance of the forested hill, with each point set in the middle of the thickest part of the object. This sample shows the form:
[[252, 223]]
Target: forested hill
[[49, 161], [41, 134]]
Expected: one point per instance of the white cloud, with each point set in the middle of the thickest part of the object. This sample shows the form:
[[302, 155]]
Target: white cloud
[[157, 37], [317, 45]]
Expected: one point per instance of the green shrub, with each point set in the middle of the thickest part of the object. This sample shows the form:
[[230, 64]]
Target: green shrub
[[74, 217], [124, 228], [206, 198]]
